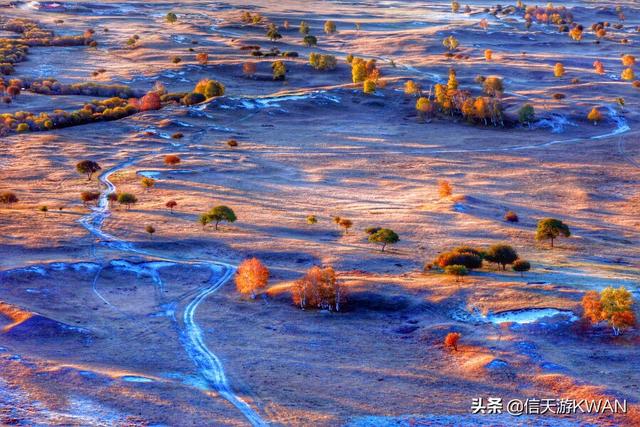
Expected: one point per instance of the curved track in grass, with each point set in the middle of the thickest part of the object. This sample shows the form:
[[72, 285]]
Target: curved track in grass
[[209, 365]]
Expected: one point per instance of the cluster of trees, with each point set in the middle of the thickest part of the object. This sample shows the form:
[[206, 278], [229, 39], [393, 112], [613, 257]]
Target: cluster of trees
[[216, 215], [9, 89], [365, 72], [319, 288], [94, 111], [31, 34], [54, 87], [560, 16], [323, 62], [613, 306], [461, 260], [251, 18], [449, 100], [98, 110], [8, 198]]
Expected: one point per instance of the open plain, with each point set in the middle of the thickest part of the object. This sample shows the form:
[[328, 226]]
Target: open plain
[[106, 323]]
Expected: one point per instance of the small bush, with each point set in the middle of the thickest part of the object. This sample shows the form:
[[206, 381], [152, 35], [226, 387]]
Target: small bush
[[511, 216], [458, 271]]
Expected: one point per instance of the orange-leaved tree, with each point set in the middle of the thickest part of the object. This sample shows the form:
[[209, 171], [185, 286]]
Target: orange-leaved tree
[[251, 276]]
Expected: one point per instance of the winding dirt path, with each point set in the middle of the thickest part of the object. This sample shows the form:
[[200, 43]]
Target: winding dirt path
[[208, 364]]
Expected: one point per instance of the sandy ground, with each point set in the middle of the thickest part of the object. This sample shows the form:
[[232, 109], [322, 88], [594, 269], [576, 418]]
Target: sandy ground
[[107, 348]]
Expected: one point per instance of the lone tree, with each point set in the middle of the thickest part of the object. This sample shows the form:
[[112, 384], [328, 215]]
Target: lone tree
[[272, 33], [251, 276], [501, 254], [127, 199], [311, 219], [458, 271], [550, 229], [615, 306], [171, 204], [44, 210], [221, 213], [594, 115], [88, 167], [8, 198], [329, 27], [558, 70], [209, 88], [526, 114], [346, 224], [310, 40], [521, 266], [451, 340], [111, 198], [150, 229], [451, 43], [304, 28], [279, 70], [385, 237], [411, 88], [445, 189], [202, 58], [511, 216], [148, 183], [89, 196], [171, 17], [171, 160]]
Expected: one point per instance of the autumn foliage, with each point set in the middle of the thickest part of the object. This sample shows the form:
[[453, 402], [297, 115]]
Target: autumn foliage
[[251, 276], [151, 101], [319, 288], [614, 306], [451, 340]]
